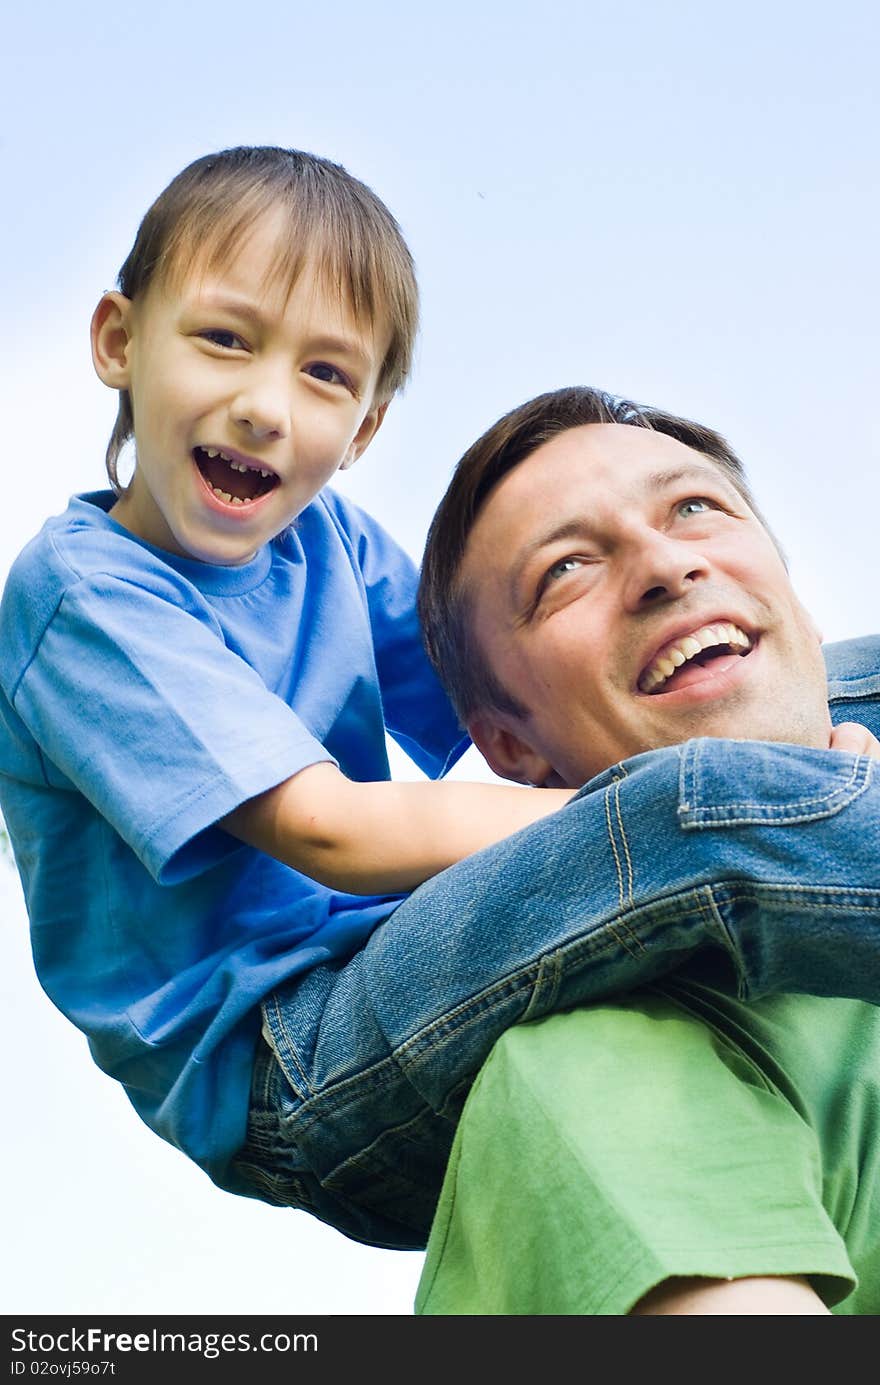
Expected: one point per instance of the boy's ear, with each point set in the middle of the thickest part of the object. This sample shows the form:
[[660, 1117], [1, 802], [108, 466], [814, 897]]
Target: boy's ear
[[364, 435], [507, 754], [111, 338]]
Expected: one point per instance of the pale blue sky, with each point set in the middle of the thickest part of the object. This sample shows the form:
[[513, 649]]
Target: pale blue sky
[[673, 201]]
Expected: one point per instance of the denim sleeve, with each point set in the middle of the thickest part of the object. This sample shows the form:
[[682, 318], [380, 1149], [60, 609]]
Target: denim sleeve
[[854, 681]]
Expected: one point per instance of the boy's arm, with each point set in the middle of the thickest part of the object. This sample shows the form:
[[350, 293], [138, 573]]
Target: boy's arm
[[388, 837], [382, 838]]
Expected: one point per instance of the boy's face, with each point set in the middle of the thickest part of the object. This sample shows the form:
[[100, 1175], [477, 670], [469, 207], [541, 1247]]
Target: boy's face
[[624, 593], [246, 400]]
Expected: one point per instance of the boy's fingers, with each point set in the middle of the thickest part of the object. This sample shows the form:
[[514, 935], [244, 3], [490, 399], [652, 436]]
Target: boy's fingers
[[856, 739]]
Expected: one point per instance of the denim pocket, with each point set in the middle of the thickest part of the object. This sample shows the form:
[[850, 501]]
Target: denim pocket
[[723, 783], [290, 1031]]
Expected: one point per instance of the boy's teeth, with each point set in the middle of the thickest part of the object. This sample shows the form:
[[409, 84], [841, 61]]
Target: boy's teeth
[[236, 466], [226, 497]]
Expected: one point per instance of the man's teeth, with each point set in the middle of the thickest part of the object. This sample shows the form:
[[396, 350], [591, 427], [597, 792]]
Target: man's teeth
[[680, 651], [236, 466]]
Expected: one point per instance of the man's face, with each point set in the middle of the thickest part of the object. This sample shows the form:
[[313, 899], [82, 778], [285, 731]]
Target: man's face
[[624, 593]]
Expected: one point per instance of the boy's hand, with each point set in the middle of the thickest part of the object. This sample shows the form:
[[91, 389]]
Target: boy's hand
[[856, 739]]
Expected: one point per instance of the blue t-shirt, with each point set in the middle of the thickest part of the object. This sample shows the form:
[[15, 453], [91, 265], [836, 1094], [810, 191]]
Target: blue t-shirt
[[145, 696]]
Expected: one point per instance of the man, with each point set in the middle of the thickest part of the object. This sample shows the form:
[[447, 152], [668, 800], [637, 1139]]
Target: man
[[598, 584]]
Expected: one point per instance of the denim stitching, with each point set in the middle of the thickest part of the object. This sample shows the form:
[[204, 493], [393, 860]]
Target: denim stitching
[[546, 986], [713, 912], [365, 1159], [735, 892], [629, 869], [390, 1068], [862, 769], [456, 1022], [778, 815], [345, 1091], [624, 897], [818, 906], [614, 846], [290, 1047], [862, 764], [382, 1074]]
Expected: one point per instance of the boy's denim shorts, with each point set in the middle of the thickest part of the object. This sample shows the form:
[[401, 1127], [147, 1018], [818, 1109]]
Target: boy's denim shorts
[[767, 855]]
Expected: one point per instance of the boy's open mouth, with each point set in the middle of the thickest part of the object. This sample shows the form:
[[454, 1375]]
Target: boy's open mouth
[[232, 479]]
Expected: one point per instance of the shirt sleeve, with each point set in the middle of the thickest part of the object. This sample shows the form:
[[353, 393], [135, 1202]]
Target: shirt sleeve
[[417, 710], [143, 708]]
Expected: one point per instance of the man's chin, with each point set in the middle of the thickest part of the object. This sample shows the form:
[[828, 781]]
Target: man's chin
[[789, 725]]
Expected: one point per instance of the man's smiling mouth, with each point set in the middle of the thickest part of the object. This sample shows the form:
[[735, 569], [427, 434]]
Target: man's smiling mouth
[[720, 639], [231, 478]]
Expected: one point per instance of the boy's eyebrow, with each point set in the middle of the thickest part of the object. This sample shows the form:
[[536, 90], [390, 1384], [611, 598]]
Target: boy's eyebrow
[[347, 346], [247, 309], [230, 302]]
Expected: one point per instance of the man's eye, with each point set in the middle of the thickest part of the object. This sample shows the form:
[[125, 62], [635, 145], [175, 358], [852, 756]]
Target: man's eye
[[696, 505], [554, 574], [218, 336], [328, 374], [559, 569]]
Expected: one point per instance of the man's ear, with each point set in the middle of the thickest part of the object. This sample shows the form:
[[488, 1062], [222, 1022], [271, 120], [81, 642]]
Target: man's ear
[[506, 753], [364, 435], [111, 340]]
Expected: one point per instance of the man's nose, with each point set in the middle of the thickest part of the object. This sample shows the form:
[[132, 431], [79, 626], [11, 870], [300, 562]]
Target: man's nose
[[660, 568], [262, 404]]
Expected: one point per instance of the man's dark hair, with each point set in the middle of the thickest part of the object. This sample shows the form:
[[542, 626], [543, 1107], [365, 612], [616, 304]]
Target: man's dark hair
[[444, 603]]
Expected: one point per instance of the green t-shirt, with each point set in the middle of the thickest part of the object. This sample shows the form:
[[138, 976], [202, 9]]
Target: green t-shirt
[[678, 1131]]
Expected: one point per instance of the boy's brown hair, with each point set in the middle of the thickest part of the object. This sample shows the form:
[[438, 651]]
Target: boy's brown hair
[[335, 221]]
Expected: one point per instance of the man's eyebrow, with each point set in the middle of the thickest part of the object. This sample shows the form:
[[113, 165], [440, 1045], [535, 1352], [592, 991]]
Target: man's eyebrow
[[568, 529], [580, 528], [662, 480]]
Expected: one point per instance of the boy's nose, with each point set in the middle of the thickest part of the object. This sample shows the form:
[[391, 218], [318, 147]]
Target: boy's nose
[[262, 407]]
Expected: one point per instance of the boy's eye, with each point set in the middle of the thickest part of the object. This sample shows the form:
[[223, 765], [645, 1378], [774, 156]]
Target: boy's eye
[[327, 373], [219, 336]]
